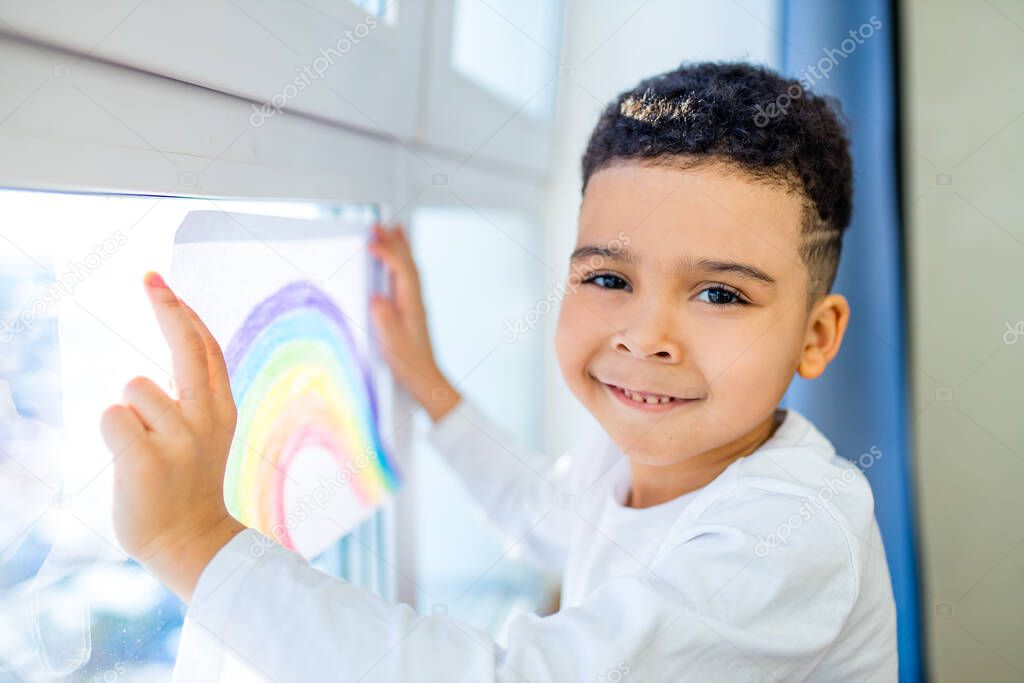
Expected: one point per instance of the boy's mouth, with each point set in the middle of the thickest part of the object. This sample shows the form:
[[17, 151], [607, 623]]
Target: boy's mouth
[[646, 400]]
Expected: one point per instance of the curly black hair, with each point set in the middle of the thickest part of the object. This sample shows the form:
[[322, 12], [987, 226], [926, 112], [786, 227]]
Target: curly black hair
[[750, 117]]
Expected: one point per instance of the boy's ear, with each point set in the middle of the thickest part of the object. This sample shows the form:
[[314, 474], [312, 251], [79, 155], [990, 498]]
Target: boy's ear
[[826, 326]]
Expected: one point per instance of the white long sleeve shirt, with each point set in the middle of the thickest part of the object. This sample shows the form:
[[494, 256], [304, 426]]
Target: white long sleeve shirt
[[773, 571]]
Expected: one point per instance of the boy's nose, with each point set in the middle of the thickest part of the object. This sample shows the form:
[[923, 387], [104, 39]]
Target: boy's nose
[[650, 337]]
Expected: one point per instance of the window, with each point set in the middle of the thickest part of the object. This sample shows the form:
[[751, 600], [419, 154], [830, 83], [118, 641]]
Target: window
[[74, 326], [485, 32], [179, 121], [385, 9], [478, 272], [494, 76]]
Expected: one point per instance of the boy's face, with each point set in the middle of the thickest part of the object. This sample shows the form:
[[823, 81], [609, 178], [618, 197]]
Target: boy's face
[[663, 256]]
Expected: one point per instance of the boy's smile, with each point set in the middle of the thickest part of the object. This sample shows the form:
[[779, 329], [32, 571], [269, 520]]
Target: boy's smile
[[645, 400], [688, 316]]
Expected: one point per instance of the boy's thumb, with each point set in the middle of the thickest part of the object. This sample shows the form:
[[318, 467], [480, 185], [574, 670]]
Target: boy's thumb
[[383, 314]]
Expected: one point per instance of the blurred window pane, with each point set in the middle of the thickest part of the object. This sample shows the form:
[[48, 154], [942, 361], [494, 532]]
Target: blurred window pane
[[509, 48], [479, 271], [73, 328], [385, 9]]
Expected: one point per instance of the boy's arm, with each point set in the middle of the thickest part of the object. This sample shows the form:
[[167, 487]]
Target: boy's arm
[[522, 493], [710, 608], [400, 324], [517, 488]]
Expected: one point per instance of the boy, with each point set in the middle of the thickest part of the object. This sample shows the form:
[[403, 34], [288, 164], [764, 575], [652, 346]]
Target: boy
[[711, 536]]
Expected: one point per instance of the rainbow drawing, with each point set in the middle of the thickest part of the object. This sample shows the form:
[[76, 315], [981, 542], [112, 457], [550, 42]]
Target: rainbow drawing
[[302, 388]]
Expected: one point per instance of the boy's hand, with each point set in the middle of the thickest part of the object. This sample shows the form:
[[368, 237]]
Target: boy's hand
[[170, 455], [401, 323]]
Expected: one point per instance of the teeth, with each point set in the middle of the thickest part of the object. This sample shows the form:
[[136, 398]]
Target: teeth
[[648, 398]]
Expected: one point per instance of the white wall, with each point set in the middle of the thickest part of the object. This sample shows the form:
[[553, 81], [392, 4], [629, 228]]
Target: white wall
[[964, 104]]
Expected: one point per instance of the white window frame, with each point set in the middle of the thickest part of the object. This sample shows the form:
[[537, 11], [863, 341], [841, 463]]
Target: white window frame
[[460, 115], [269, 42]]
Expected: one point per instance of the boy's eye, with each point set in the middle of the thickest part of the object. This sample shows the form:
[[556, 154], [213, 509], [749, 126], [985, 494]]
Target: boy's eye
[[722, 296], [607, 281]]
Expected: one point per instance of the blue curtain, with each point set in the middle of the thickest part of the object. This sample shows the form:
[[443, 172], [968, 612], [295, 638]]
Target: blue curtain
[[862, 399]]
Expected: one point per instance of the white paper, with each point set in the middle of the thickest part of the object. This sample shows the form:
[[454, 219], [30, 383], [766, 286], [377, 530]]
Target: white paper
[[225, 265]]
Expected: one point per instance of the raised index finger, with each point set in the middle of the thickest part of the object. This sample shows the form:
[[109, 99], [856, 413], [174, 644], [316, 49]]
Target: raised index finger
[[188, 351], [219, 380]]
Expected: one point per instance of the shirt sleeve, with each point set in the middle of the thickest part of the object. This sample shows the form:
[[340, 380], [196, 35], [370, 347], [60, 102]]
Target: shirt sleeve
[[518, 489], [710, 608]]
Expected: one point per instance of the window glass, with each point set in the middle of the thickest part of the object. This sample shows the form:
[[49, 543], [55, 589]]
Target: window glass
[[480, 276], [74, 326], [510, 48], [385, 9]]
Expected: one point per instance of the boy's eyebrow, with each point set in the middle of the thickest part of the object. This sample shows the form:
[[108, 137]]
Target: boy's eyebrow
[[743, 270], [623, 255]]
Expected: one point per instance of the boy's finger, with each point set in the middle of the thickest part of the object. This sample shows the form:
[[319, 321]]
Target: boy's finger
[[383, 315], [385, 252], [400, 231], [400, 242], [405, 252], [402, 270], [156, 410], [121, 429], [391, 236], [219, 381], [188, 352]]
